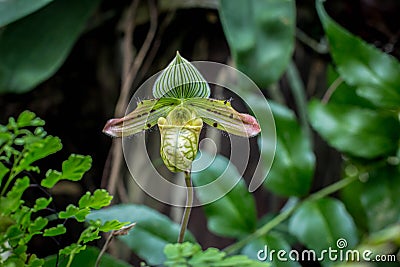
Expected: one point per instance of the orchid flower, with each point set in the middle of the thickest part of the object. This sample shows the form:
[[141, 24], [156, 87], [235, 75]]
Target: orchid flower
[[180, 107]]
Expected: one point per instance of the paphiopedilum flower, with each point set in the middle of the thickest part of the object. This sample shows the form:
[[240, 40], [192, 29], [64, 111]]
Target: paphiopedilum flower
[[180, 107]]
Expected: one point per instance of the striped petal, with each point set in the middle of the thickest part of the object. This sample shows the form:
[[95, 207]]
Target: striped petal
[[142, 118], [221, 115], [180, 80]]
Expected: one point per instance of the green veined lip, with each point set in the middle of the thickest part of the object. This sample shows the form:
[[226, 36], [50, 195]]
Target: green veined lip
[[179, 144]]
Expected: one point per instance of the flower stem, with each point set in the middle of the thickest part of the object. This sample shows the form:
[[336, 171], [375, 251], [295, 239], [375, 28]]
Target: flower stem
[[188, 207], [103, 250], [263, 230]]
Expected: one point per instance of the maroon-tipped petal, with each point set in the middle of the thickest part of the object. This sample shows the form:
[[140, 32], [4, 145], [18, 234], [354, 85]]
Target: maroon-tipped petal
[[113, 127], [251, 124]]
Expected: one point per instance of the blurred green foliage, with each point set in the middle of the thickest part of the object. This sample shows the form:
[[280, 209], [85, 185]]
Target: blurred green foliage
[[35, 46]]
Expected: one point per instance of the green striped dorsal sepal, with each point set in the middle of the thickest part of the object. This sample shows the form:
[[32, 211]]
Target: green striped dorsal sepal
[[180, 132], [181, 80]]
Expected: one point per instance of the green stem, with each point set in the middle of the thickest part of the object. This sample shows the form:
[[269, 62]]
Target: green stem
[[285, 214], [188, 208], [318, 47], [13, 173], [70, 259], [103, 250]]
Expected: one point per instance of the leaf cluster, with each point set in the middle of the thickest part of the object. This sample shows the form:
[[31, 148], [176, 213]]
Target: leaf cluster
[[23, 142]]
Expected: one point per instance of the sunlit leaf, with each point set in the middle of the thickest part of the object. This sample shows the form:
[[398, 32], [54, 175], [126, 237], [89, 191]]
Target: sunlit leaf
[[34, 47], [37, 225], [38, 150], [374, 73], [56, 230], [72, 169], [41, 203], [233, 215], [75, 166], [28, 118], [73, 211], [100, 198], [260, 35], [12, 201], [3, 171], [89, 234], [112, 225], [74, 248], [157, 229]]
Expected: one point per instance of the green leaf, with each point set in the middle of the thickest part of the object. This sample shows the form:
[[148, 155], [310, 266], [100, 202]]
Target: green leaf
[[3, 171], [260, 249], [72, 169], [351, 197], [75, 166], [37, 225], [100, 198], [152, 226], [28, 118], [34, 261], [293, 167], [319, 224], [74, 249], [52, 177], [11, 10], [112, 225], [33, 48], [41, 203], [13, 200], [350, 128], [376, 74], [260, 35], [38, 150], [187, 254], [345, 94], [375, 201], [89, 234], [54, 231], [87, 258], [233, 215], [73, 211]]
